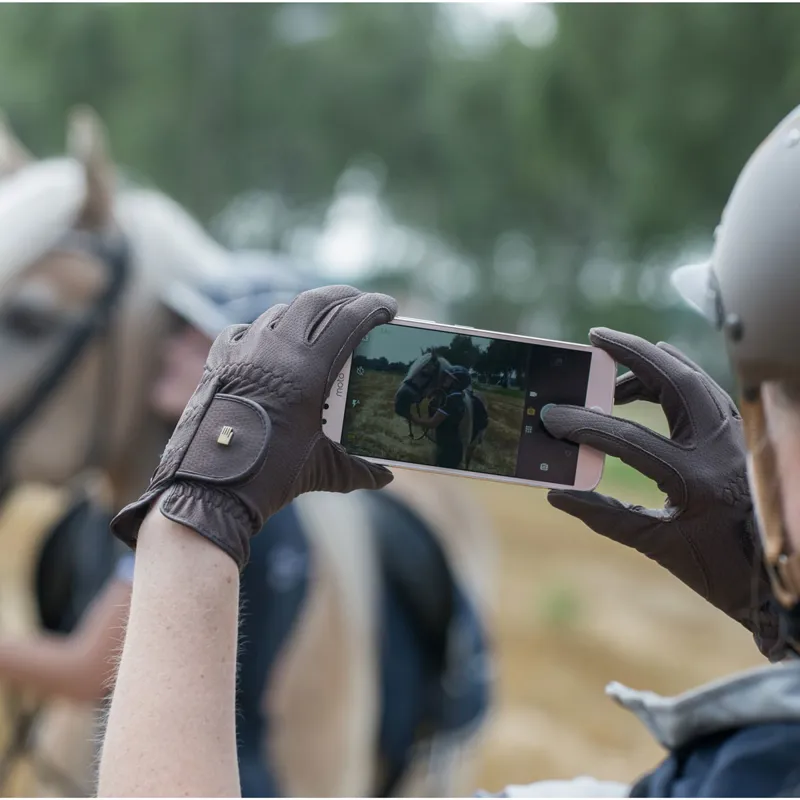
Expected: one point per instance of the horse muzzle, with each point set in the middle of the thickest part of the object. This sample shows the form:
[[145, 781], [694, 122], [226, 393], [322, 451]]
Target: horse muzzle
[[404, 398]]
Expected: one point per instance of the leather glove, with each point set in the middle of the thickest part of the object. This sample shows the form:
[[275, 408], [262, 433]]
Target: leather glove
[[250, 439], [706, 533]]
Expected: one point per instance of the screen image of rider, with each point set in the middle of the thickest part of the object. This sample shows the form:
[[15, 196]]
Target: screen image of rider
[[462, 402]]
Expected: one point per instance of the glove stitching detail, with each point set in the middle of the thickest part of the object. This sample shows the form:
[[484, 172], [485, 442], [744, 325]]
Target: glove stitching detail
[[287, 495], [701, 563], [322, 321], [280, 387]]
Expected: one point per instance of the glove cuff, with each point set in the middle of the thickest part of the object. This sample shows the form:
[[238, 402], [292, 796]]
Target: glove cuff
[[217, 515]]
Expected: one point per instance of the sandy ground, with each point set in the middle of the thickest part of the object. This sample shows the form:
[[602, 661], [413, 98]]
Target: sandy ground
[[573, 612]]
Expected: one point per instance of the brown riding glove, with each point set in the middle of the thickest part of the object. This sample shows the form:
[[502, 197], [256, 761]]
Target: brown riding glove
[[705, 535], [250, 439]]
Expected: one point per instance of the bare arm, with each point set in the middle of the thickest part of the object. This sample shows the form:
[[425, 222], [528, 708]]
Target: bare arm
[[171, 728], [78, 666]]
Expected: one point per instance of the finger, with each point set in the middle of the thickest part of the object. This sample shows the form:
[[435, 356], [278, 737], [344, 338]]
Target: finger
[[345, 473], [681, 356], [607, 516], [630, 389], [349, 323], [235, 333], [713, 387], [272, 316], [646, 451], [679, 389], [304, 312], [225, 339]]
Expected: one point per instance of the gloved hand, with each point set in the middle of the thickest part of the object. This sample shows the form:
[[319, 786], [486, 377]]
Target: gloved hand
[[705, 535], [250, 439]]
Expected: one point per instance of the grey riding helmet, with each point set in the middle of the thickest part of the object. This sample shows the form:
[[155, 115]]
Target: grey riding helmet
[[255, 282], [750, 288]]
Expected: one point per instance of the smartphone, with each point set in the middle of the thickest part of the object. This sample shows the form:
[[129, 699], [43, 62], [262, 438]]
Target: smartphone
[[462, 401]]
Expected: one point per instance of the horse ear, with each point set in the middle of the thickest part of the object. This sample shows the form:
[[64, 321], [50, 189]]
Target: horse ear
[[13, 154], [87, 143]]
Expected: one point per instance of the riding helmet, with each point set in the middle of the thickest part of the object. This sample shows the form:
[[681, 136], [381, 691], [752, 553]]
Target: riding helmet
[[750, 288]]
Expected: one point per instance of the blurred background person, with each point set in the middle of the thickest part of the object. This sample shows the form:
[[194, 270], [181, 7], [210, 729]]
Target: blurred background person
[[396, 620]]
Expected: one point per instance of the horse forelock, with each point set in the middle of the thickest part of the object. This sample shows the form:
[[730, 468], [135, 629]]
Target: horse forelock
[[39, 204], [424, 360]]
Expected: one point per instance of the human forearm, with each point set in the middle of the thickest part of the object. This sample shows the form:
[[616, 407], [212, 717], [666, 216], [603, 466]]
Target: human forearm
[[249, 442], [171, 727], [78, 666], [428, 423], [50, 665]]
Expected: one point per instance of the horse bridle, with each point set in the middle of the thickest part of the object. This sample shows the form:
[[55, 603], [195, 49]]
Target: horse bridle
[[111, 250], [421, 392], [426, 434]]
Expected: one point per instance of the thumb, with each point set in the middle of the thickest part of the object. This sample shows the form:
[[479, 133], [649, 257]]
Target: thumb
[[607, 516], [341, 472]]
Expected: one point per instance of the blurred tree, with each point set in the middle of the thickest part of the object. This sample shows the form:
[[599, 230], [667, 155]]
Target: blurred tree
[[502, 356], [461, 350], [610, 150]]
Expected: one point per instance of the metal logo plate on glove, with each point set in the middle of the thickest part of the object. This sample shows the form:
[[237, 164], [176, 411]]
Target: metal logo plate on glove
[[225, 435]]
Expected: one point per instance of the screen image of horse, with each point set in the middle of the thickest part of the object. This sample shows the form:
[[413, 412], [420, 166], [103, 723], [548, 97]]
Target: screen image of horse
[[483, 403]]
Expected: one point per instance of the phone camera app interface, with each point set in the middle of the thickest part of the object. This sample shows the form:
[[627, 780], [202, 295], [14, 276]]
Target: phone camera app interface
[[462, 402]]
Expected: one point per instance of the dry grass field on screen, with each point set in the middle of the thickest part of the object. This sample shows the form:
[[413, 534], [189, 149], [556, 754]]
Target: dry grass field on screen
[[381, 431]]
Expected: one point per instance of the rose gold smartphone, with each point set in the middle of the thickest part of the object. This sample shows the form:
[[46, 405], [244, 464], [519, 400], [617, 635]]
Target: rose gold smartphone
[[452, 399]]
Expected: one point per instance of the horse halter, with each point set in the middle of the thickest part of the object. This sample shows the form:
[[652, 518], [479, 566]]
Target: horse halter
[[421, 393], [112, 251]]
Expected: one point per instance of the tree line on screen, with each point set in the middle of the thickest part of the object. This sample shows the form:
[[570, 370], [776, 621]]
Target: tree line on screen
[[502, 362]]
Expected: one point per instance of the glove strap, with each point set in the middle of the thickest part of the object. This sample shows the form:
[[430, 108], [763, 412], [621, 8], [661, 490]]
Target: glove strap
[[230, 444]]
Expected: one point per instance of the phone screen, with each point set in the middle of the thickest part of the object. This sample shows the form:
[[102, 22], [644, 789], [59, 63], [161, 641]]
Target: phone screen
[[464, 402]]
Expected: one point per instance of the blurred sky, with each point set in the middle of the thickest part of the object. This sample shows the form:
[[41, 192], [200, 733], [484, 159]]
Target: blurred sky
[[405, 344]]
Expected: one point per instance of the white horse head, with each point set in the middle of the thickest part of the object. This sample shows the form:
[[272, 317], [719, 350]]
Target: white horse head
[[62, 222], [66, 226]]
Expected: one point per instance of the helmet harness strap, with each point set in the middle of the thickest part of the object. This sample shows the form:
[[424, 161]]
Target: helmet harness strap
[[783, 567]]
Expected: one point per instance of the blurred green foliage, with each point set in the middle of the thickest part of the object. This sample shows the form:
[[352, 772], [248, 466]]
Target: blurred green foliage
[[560, 606], [584, 168]]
